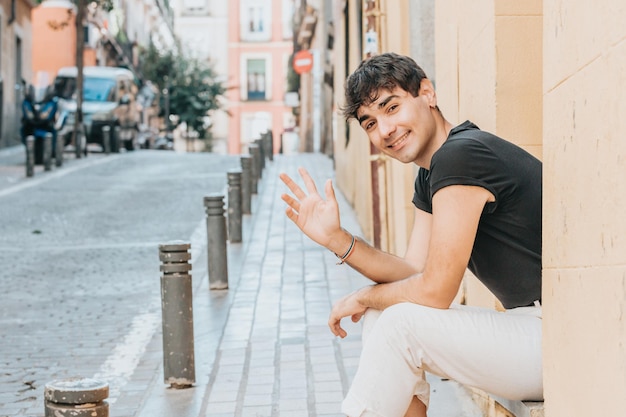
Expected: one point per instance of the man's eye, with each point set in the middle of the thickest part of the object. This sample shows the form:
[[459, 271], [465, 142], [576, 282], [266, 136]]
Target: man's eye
[[393, 107], [369, 125]]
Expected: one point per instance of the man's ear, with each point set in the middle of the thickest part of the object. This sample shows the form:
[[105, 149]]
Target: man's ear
[[428, 91]]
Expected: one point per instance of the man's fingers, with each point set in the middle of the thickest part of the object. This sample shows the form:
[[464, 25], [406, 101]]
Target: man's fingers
[[291, 184], [356, 317], [330, 191], [292, 215], [336, 329], [341, 332], [292, 202], [308, 181]]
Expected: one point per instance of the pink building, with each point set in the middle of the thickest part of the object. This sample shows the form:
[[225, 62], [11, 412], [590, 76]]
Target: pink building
[[54, 25], [260, 44]]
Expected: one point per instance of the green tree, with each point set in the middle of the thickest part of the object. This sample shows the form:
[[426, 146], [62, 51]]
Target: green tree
[[191, 87]]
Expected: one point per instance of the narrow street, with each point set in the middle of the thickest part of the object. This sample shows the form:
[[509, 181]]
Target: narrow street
[[79, 250]]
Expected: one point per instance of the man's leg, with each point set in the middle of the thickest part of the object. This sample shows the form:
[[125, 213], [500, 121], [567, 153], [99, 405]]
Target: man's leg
[[416, 409], [495, 351]]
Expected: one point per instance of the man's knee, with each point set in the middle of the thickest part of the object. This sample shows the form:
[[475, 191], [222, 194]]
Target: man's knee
[[405, 312], [391, 317], [410, 323]]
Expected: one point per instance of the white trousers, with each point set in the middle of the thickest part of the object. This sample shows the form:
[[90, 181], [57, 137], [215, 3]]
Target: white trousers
[[498, 352]]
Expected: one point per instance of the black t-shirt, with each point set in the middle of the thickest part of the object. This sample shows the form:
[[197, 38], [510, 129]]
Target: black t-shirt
[[506, 255]]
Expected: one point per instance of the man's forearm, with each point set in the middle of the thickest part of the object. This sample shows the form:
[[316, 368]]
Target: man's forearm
[[373, 263], [413, 289]]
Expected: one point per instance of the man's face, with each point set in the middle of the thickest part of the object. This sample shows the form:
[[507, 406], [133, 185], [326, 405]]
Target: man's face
[[398, 124]]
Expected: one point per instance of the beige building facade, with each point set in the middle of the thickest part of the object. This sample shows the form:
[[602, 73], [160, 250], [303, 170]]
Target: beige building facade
[[15, 65], [584, 249], [548, 76], [378, 187]]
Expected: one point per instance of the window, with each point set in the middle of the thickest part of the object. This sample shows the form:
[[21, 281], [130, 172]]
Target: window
[[98, 89], [255, 75], [256, 20], [255, 71]]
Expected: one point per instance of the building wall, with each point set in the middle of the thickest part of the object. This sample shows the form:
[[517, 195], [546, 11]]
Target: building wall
[[500, 91], [547, 75], [15, 66], [353, 160], [250, 118], [489, 70], [352, 167], [488, 60], [54, 29], [584, 247]]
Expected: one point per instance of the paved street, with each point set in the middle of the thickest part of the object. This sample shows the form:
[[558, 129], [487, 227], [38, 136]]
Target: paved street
[[81, 292]]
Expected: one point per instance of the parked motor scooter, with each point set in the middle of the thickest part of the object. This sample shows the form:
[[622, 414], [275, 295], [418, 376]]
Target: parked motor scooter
[[39, 114]]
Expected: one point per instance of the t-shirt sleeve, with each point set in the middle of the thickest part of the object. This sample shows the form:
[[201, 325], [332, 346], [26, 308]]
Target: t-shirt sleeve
[[463, 162], [422, 196]]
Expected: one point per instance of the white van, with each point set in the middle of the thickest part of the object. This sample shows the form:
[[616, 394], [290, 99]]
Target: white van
[[108, 100]]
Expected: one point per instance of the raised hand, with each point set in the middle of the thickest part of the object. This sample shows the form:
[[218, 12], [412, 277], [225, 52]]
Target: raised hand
[[316, 217]]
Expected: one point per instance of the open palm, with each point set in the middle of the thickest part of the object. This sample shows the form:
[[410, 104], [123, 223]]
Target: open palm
[[316, 217]]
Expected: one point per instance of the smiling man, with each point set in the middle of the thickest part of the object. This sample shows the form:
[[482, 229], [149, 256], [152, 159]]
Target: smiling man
[[477, 204]]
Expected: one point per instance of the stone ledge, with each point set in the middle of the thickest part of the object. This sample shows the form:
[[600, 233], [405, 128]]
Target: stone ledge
[[493, 406]]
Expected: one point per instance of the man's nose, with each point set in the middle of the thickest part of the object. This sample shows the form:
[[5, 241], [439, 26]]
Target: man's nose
[[386, 127]]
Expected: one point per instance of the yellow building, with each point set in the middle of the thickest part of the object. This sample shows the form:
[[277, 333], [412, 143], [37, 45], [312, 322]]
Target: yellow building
[[547, 76]]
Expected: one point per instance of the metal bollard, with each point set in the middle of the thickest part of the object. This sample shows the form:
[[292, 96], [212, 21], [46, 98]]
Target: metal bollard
[[116, 144], [256, 166], [270, 144], [177, 311], [234, 206], [216, 242], [76, 397], [79, 142], [246, 184], [106, 139], [30, 156], [266, 145], [58, 151], [261, 156], [47, 152]]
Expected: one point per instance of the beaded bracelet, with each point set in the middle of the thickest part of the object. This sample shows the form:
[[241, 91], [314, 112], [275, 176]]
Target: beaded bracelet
[[342, 259]]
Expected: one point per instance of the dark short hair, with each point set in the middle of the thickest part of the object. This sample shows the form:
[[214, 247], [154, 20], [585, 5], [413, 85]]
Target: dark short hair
[[380, 72]]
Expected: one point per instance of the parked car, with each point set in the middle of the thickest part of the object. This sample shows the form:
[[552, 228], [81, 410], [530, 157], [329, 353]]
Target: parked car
[[108, 100]]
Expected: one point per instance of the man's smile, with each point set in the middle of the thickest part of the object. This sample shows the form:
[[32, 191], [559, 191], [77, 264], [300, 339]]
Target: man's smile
[[399, 142]]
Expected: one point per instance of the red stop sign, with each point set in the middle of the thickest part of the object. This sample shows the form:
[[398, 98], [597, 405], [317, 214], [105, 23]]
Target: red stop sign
[[302, 61]]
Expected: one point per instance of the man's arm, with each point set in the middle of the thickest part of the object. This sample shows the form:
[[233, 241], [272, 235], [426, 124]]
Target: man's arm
[[417, 249], [319, 220], [456, 214], [382, 267]]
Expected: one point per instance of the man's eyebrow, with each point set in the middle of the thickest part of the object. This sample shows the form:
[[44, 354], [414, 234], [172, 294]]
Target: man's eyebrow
[[387, 100], [380, 106]]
